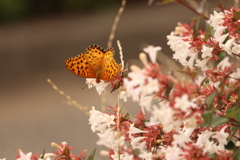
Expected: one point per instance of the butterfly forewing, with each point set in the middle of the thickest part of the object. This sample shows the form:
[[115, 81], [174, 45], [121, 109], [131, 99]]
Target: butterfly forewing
[[95, 56], [79, 65]]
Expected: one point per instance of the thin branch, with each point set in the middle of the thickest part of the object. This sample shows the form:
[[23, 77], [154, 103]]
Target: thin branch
[[70, 100], [114, 26], [192, 9]]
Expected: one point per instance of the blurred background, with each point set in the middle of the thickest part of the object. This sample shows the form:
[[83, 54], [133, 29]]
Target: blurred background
[[35, 39]]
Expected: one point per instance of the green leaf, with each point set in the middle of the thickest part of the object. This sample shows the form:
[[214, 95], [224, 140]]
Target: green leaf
[[116, 86], [91, 157], [236, 15], [210, 98], [212, 31], [207, 116], [232, 112], [237, 154], [126, 116], [167, 92], [238, 100], [221, 56], [156, 101], [230, 146], [126, 72], [210, 121], [218, 120], [196, 27], [227, 38], [208, 33]]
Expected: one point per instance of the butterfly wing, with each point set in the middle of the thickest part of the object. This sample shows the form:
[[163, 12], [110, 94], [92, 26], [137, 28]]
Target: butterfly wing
[[80, 66], [95, 56], [110, 68]]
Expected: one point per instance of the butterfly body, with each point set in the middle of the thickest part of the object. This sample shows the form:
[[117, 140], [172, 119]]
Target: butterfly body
[[94, 63]]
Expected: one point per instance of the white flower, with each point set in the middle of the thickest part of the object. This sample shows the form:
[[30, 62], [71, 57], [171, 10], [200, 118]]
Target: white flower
[[3, 159], [235, 75], [221, 136], [146, 155], [124, 95], [221, 39], [138, 78], [108, 136], [112, 143], [100, 87], [24, 156], [183, 103], [173, 153], [228, 46], [209, 145], [45, 158], [182, 50], [224, 63], [192, 121], [237, 143], [202, 64], [165, 115], [180, 47], [204, 141], [100, 122], [206, 51], [219, 30], [199, 79], [139, 85], [124, 156], [134, 86], [152, 122], [152, 51], [236, 48], [182, 137], [146, 102], [137, 142], [216, 19], [191, 60], [134, 130], [151, 86]]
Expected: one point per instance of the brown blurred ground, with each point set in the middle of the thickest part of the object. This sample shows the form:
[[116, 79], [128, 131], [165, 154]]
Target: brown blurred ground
[[32, 114]]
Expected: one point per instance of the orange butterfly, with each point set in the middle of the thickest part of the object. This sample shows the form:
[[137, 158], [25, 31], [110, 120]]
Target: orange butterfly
[[94, 63]]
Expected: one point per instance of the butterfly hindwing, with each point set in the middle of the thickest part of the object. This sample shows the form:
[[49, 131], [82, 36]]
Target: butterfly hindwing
[[110, 68]]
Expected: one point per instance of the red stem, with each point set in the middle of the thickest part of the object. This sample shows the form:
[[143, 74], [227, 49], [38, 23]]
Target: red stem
[[192, 9]]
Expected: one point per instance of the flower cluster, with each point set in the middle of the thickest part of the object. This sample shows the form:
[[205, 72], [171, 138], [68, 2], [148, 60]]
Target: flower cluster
[[194, 119], [197, 48], [63, 153]]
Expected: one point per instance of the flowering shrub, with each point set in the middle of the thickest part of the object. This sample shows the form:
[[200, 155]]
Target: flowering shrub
[[195, 118]]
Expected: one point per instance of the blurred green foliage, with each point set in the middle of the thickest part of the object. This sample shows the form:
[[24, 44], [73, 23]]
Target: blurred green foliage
[[16, 9]]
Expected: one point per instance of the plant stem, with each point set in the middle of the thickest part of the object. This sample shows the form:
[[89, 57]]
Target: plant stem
[[192, 9]]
